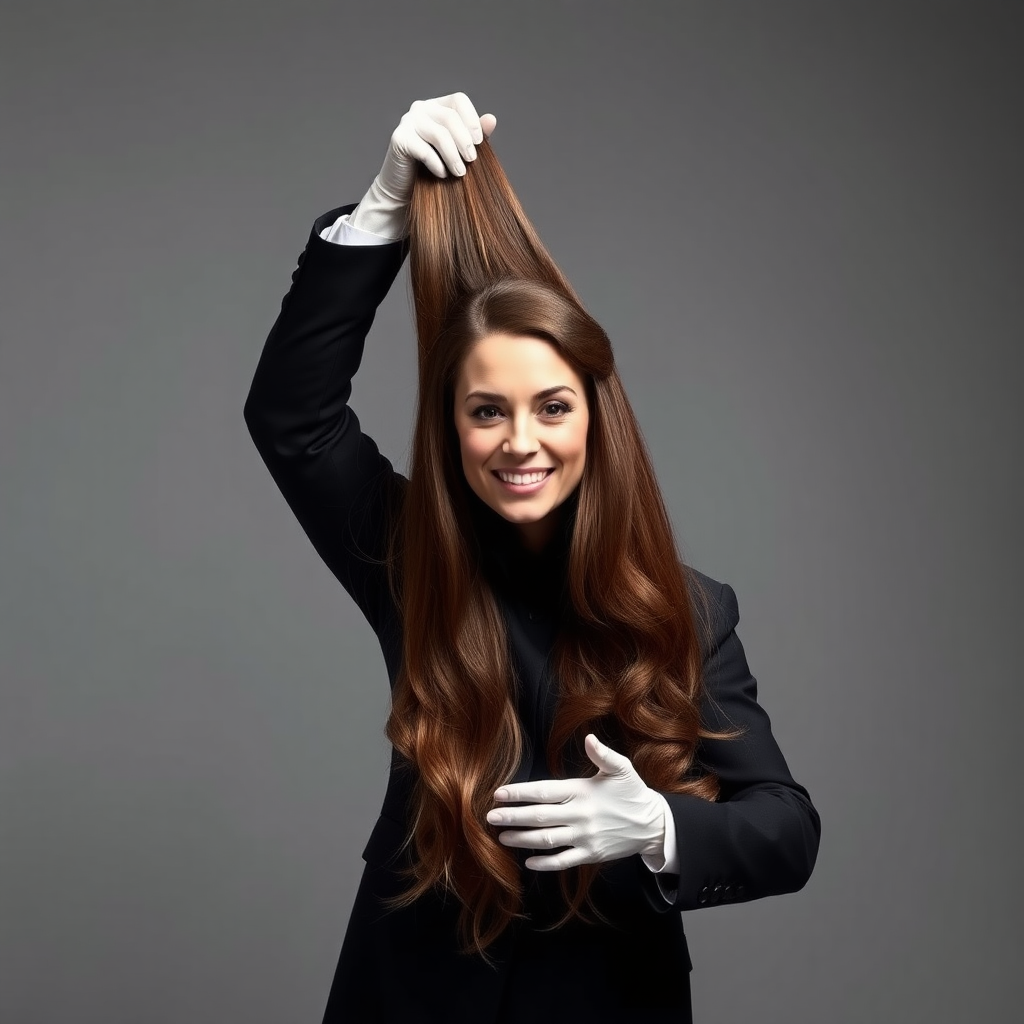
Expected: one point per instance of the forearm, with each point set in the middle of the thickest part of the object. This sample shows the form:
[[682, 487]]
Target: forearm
[[763, 844], [340, 487], [303, 379]]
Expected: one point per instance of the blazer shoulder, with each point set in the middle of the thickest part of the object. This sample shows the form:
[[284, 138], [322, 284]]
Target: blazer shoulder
[[715, 607]]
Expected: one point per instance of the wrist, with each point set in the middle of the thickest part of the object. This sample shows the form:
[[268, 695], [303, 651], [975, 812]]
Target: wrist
[[655, 846], [381, 214]]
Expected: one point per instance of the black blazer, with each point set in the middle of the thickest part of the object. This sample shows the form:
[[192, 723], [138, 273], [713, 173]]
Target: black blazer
[[759, 839]]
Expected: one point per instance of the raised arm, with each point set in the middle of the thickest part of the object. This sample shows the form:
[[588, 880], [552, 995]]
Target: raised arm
[[342, 490]]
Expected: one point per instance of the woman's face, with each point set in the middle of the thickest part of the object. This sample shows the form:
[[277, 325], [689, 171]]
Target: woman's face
[[520, 407]]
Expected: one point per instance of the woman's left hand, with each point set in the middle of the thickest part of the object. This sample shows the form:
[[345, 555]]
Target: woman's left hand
[[607, 816]]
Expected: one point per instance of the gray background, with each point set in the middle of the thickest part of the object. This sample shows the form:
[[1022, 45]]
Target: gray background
[[800, 224]]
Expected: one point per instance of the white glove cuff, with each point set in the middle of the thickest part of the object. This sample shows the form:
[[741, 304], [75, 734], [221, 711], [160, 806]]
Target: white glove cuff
[[668, 863], [380, 214]]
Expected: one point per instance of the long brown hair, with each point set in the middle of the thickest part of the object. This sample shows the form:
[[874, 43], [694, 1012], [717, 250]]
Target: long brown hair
[[627, 657]]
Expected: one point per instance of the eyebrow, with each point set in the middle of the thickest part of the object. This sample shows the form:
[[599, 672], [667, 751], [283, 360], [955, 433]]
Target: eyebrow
[[492, 396]]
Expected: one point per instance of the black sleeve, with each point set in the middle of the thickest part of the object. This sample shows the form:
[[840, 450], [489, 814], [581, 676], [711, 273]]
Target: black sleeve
[[760, 838], [339, 486]]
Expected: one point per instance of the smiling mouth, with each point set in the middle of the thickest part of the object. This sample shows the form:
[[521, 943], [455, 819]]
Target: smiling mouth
[[530, 473]]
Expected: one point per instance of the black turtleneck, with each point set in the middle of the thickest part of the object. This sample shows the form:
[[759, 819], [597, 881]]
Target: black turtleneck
[[536, 582], [532, 593]]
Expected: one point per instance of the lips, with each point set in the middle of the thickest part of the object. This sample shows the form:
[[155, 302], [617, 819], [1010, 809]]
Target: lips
[[523, 490], [547, 471]]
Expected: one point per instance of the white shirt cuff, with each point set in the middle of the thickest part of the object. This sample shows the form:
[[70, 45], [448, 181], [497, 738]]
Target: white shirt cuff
[[341, 232]]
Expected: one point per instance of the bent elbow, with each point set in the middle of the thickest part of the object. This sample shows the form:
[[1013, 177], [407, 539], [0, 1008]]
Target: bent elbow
[[257, 424], [786, 836], [801, 846]]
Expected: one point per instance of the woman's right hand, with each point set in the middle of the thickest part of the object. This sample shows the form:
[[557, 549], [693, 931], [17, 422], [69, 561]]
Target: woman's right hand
[[441, 133]]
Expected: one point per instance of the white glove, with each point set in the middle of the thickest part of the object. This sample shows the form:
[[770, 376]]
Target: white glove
[[607, 816], [440, 133]]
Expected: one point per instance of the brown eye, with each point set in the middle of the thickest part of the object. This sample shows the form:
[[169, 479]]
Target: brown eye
[[561, 408]]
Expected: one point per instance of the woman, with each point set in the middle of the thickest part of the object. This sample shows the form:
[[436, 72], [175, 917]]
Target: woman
[[578, 753]]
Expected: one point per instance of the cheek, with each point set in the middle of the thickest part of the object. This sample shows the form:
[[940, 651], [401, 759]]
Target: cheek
[[473, 450], [579, 448]]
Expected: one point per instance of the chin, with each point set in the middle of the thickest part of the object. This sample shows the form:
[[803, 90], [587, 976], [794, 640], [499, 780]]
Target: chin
[[513, 511], [522, 518]]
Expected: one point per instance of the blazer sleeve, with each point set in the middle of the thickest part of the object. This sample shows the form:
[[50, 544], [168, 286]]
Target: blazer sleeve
[[342, 490], [760, 838]]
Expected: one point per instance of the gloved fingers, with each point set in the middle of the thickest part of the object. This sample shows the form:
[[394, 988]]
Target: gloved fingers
[[408, 144], [543, 791], [569, 812], [609, 761], [539, 838], [560, 861], [463, 107], [439, 133], [480, 126], [444, 130], [449, 124]]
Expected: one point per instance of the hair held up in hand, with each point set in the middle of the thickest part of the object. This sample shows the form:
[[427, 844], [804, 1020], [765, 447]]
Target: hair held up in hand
[[628, 655]]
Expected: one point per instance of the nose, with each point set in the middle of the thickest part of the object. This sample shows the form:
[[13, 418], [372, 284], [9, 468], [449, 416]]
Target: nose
[[521, 440]]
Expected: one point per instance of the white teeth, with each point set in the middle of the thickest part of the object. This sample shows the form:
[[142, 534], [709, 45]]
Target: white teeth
[[522, 478]]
